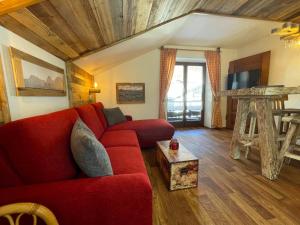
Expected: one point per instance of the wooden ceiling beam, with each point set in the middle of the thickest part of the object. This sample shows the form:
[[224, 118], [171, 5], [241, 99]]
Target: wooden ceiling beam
[[26, 18], [8, 6], [46, 12], [19, 29], [80, 18], [103, 14]]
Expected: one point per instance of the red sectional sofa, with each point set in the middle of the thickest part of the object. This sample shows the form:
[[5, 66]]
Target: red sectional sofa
[[36, 165]]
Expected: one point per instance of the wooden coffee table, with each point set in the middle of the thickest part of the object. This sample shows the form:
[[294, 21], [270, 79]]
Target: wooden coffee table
[[179, 169]]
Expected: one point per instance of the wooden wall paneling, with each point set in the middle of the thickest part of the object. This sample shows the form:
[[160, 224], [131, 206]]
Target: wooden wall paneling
[[259, 61], [25, 17], [281, 10], [81, 20], [79, 84], [143, 9], [4, 106], [51, 18], [16, 27], [159, 8], [265, 67], [180, 8], [103, 14], [80, 27], [116, 8], [128, 14], [218, 5], [7, 6]]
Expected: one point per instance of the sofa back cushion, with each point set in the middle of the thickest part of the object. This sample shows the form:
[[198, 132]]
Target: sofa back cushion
[[8, 177], [114, 116], [38, 148], [99, 110], [89, 116]]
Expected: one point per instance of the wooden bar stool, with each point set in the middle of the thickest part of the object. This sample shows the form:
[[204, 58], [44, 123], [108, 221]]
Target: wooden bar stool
[[291, 142], [277, 107]]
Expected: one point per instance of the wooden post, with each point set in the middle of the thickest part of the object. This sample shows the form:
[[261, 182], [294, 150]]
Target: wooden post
[[69, 83], [4, 106], [267, 138], [239, 126]]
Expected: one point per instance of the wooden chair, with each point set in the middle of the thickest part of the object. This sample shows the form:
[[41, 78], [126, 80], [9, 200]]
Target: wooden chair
[[290, 144], [33, 209]]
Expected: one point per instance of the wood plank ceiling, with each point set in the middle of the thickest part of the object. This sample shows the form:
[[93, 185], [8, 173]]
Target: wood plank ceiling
[[73, 28]]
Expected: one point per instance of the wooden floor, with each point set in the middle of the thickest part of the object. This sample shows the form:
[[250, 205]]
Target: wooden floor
[[229, 191]]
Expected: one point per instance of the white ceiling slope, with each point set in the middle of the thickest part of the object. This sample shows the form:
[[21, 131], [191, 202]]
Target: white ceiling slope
[[193, 30], [124, 51]]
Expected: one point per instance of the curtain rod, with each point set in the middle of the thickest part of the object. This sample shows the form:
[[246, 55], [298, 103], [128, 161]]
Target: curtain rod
[[195, 50]]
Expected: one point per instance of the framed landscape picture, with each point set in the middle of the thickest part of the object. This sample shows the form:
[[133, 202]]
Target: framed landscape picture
[[35, 77], [130, 93]]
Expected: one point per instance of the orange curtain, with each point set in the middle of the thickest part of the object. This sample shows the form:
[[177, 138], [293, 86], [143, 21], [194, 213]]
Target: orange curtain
[[213, 62], [167, 64]]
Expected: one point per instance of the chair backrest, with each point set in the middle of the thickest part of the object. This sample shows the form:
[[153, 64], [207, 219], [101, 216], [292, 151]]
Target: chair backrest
[[278, 102], [33, 209]]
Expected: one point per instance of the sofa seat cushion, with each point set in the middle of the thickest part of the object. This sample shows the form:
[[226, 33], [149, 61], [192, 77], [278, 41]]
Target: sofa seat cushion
[[119, 138], [126, 160], [90, 117], [38, 148], [148, 131]]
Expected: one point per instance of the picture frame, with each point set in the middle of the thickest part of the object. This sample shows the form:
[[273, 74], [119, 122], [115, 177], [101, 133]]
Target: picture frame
[[130, 93], [35, 77]]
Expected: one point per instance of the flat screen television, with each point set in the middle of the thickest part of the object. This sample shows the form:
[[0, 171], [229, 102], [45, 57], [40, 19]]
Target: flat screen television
[[244, 79]]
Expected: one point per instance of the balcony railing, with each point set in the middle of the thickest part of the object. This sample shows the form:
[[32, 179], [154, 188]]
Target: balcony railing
[[175, 110]]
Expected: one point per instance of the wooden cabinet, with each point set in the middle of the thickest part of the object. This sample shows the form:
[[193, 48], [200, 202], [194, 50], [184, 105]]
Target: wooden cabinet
[[260, 61]]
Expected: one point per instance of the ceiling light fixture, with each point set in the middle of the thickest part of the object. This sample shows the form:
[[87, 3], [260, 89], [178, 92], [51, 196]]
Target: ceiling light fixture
[[289, 33]]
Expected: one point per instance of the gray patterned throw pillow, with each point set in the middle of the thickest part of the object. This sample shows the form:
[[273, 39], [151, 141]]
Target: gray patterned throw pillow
[[89, 154]]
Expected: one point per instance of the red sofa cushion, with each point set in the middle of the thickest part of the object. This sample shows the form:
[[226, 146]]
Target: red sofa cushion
[[113, 200], [126, 160], [89, 116], [38, 148], [119, 138], [8, 176], [99, 107], [148, 131]]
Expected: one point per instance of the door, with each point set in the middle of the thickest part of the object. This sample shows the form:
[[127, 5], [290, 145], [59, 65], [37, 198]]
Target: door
[[185, 99]]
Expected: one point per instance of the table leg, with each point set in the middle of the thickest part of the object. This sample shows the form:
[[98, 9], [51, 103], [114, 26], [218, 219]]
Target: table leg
[[239, 126], [267, 138]]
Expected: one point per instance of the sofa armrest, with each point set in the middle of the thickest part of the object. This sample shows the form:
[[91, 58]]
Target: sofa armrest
[[128, 117], [115, 200]]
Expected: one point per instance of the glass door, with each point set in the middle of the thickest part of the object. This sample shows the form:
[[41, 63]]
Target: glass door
[[185, 107], [175, 98]]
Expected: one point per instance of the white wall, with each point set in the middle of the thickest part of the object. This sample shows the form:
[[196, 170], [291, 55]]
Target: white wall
[[284, 65], [227, 55], [21, 106], [145, 68]]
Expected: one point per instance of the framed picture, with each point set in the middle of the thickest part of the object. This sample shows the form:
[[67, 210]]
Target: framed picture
[[35, 77], [130, 93]]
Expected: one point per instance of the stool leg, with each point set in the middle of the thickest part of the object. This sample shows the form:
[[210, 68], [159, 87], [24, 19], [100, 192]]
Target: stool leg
[[251, 133]]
